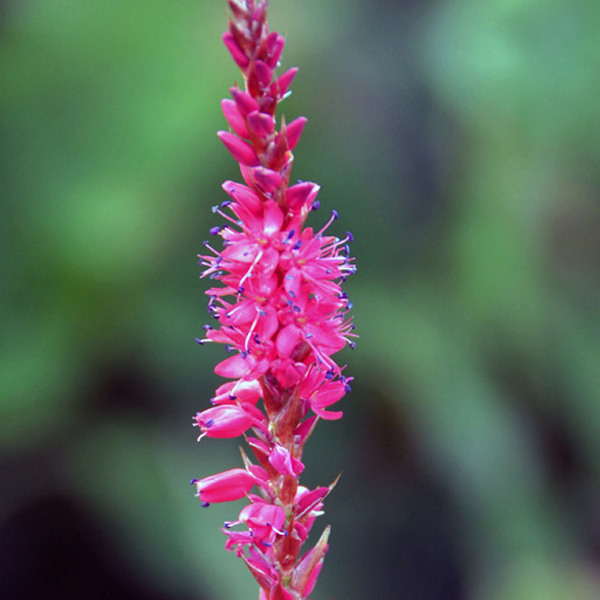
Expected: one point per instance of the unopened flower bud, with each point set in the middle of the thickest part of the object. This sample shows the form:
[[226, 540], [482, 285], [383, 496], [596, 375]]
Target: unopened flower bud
[[224, 487]]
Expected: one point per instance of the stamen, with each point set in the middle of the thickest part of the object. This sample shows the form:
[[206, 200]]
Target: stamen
[[230, 524], [334, 216], [253, 326]]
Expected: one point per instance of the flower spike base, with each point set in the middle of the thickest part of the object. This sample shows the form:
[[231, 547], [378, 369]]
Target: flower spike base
[[281, 314]]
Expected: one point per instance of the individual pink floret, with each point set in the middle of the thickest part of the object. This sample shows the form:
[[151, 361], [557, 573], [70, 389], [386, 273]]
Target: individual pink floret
[[224, 487], [223, 421]]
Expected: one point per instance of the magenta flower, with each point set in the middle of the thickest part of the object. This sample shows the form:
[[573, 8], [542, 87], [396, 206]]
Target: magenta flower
[[223, 487], [225, 421], [282, 315]]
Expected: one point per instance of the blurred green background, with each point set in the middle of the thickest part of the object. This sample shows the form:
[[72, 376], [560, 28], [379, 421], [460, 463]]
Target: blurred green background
[[460, 141]]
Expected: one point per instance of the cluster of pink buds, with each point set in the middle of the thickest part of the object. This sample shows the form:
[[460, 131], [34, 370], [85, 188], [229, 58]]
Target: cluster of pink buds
[[282, 315]]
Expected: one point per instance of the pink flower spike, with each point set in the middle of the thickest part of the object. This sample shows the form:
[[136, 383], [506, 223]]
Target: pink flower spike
[[281, 313], [227, 421], [236, 52], [294, 131], [240, 150], [224, 487]]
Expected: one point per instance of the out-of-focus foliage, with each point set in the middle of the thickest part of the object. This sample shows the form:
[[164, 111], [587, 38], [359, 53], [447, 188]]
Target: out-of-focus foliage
[[460, 141]]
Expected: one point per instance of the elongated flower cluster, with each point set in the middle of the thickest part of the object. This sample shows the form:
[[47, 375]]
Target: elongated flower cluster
[[281, 314]]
